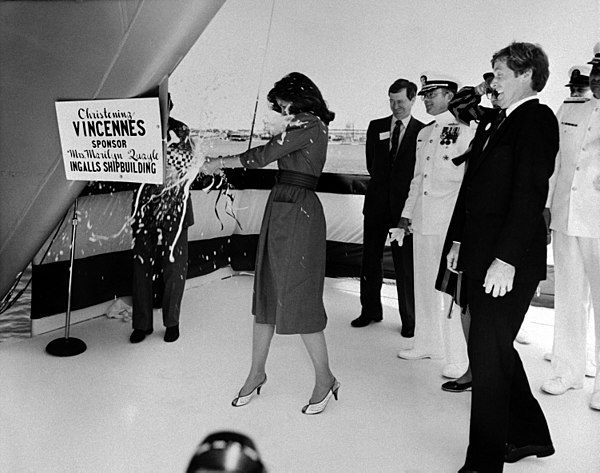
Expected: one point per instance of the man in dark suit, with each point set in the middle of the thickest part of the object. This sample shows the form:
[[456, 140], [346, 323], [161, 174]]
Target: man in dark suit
[[390, 152], [499, 242]]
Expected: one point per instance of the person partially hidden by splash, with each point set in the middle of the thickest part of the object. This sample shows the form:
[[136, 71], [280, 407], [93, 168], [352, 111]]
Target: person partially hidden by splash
[[290, 260], [161, 217]]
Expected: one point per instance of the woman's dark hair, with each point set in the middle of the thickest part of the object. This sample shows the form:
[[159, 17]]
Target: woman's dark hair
[[303, 94]]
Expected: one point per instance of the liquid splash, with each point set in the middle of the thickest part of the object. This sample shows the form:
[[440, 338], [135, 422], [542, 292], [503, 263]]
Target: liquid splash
[[184, 160], [162, 208], [167, 202]]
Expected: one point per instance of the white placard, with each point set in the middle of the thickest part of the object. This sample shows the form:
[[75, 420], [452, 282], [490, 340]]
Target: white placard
[[112, 140]]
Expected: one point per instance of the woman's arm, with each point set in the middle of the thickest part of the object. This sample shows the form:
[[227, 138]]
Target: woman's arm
[[299, 134]]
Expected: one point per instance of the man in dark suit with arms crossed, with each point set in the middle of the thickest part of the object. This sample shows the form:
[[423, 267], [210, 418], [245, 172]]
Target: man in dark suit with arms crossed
[[499, 242], [390, 153]]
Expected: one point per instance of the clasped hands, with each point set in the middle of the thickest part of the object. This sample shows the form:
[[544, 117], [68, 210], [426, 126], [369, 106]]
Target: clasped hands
[[498, 279]]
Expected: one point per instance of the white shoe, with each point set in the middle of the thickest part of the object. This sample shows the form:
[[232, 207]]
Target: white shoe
[[240, 401], [417, 355], [454, 370], [318, 407], [558, 385], [595, 401], [590, 369], [523, 337], [548, 356], [407, 343]]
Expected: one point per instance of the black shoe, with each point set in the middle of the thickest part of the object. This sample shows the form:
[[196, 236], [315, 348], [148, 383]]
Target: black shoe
[[172, 333], [364, 320], [514, 454], [455, 387], [464, 470], [138, 335]]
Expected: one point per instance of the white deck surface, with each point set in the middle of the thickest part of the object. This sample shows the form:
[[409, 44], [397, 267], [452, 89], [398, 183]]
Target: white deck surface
[[143, 408]]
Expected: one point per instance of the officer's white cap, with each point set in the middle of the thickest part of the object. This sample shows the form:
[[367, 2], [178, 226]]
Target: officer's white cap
[[431, 80]]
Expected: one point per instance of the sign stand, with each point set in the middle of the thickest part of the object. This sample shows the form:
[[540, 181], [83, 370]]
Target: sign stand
[[134, 155], [68, 346]]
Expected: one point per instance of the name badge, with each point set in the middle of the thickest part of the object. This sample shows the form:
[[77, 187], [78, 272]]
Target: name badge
[[384, 136]]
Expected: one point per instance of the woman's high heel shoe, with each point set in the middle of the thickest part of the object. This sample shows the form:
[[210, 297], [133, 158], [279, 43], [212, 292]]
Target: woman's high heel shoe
[[240, 401], [317, 408]]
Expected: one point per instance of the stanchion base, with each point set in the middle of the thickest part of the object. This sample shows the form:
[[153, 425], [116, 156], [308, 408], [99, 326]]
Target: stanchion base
[[66, 347]]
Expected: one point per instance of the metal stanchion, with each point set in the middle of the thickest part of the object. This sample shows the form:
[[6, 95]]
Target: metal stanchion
[[67, 346]]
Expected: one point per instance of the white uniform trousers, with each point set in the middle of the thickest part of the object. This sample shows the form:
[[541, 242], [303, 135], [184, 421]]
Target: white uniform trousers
[[435, 333], [576, 293]]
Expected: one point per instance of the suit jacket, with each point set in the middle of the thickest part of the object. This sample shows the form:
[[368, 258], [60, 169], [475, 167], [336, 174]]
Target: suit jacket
[[389, 184], [499, 210]]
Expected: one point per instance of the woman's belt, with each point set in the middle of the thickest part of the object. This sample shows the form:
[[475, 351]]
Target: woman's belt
[[299, 179]]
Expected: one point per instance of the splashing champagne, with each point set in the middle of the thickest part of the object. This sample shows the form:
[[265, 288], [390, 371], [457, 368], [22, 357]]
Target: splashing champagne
[[166, 205], [181, 178], [184, 160]]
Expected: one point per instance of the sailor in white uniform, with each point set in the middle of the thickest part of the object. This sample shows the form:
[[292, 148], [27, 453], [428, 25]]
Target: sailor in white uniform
[[574, 202], [427, 212]]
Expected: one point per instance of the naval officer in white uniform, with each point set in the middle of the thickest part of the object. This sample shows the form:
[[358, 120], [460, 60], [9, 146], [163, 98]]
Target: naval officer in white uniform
[[579, 93], [574, 202], [427, 212]]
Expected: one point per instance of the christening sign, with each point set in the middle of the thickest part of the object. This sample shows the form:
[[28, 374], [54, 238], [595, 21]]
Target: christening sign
[[112, 140]]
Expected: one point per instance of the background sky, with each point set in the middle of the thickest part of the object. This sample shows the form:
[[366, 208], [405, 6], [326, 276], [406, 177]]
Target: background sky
[[354, 49]]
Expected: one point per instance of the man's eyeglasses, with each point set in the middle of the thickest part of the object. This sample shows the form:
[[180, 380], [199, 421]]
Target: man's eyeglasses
[[431, 94]]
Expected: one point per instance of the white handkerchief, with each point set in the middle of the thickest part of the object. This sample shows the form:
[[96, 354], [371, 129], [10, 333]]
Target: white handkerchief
[[395, 234], [384, 135]]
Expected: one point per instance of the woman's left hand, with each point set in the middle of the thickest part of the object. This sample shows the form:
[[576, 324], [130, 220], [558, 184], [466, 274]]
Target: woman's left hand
[[211, 165]]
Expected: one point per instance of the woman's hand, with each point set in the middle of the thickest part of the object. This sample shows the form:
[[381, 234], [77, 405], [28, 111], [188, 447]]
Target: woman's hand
[[211, 165]]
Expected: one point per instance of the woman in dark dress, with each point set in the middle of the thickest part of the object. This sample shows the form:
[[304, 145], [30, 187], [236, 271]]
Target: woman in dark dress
[[290, 260]]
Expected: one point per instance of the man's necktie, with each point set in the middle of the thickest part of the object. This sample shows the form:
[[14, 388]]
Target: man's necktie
[[396, 139], [495, 125], [497, 122]]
